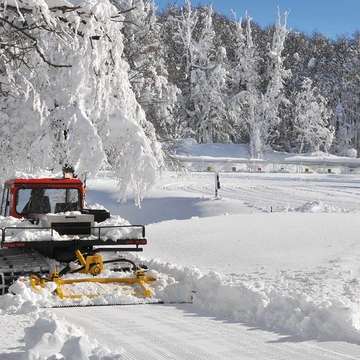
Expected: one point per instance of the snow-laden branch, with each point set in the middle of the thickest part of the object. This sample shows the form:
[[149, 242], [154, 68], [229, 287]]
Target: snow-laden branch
[[34, 44], [84, 113]]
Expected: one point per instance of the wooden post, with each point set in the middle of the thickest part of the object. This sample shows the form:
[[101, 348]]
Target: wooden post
[[217, 184]]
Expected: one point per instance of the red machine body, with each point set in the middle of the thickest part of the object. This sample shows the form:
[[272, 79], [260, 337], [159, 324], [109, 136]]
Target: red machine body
[[53, 224], [9, 201]]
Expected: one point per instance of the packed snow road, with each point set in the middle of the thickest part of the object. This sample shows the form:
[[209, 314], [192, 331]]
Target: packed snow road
[[155, 332]]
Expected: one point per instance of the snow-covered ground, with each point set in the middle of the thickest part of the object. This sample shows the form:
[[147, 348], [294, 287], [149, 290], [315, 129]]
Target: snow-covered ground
[[266, 285], [190, 148], [190, 195], [237, 156]]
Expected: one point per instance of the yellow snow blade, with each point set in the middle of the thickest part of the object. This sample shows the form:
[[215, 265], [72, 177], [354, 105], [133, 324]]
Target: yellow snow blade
[[140, 281], [94, 265]]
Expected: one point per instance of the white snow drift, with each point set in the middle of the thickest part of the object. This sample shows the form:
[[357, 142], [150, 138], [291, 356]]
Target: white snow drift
[[50, 338]]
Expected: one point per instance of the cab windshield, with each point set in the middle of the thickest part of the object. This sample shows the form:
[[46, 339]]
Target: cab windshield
[[45, 200]]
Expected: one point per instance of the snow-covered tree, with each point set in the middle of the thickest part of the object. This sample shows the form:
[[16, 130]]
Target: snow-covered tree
[[85, 111], [245, 80], [203, 75], [345, 131], [143, 49], [183, 26], [208, 87], [274, 96], [311, 121], [256, 102]]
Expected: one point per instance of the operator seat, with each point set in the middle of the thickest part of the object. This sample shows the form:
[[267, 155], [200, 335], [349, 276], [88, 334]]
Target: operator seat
[[38, 203]]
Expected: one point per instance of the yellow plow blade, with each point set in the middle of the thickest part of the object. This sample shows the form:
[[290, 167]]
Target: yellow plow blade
[[137, 284], [139, 281]]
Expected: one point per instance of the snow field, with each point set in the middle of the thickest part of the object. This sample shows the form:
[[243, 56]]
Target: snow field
[[290, 272], [183, 196], [293, 272]]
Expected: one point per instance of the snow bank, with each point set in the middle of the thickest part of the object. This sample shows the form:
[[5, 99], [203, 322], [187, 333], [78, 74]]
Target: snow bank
[[317, 207], [307, 305], [47, 337], [22, 300], [311, 305], [51, 338]]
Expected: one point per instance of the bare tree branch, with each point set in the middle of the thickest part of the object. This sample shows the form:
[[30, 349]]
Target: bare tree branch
[[35, 43], [123, 12]]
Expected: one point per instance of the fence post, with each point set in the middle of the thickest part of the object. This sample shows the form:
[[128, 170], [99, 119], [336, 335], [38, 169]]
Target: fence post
[[217, 184]]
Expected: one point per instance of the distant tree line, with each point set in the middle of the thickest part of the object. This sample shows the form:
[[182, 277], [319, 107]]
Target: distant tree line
[[99, 83], [217, 78]]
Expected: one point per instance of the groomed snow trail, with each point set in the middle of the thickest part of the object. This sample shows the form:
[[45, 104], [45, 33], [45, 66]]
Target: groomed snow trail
[[155, 332]]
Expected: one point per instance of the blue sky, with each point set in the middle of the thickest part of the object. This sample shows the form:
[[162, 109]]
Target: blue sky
[[331, 17]]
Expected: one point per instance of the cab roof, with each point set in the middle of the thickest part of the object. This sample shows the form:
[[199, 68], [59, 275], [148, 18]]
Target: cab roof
[[44, 181]]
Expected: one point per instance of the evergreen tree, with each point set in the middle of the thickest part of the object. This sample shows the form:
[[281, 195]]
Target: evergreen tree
[[208, 87], [312, 120], [255, 101]]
